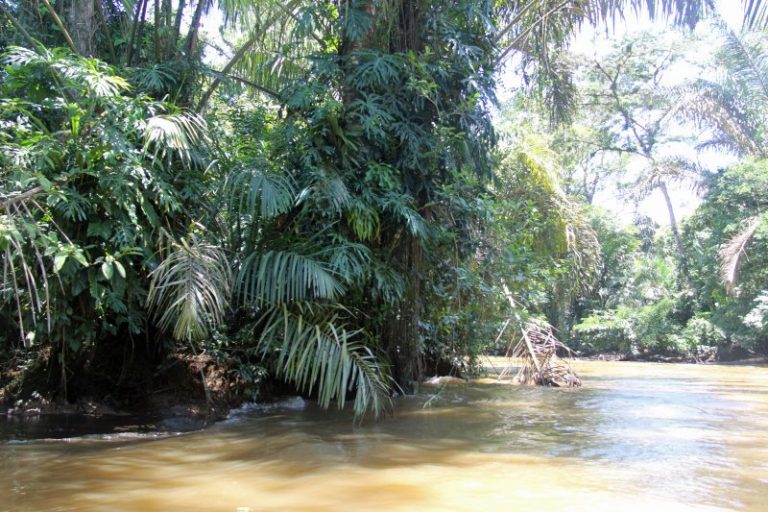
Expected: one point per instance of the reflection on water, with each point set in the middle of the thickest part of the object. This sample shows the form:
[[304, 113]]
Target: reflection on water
[[636, 437]]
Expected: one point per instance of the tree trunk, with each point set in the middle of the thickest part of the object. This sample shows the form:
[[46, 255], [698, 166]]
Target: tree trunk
[[156, 33], [107, 32], [138, 19], [81, 21], [683, 261], [174, 46], [400, 332], [400, 335], [194, 29]]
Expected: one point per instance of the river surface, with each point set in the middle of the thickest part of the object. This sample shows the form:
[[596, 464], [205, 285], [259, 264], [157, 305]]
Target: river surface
[[637, 436]]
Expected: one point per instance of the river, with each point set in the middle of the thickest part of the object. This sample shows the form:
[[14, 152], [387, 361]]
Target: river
[[637, 436]]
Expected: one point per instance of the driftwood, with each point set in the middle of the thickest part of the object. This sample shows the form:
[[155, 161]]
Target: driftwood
[[537, 348]]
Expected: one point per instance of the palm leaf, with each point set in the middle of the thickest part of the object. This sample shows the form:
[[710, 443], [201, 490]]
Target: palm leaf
[[190, 290], [278, 39], [711, 105], [276, 277], [732, 252], [265, 194], [315, 352], [746, 59], [756, 14], [178, 133]]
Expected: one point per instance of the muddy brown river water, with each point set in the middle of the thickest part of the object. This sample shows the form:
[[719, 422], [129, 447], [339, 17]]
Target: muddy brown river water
[[637, 437]]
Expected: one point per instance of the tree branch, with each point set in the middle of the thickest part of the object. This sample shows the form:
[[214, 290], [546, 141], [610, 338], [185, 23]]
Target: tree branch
[[61, 26], [21, 197]]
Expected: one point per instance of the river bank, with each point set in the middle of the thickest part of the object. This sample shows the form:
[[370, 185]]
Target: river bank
[[186, 409]]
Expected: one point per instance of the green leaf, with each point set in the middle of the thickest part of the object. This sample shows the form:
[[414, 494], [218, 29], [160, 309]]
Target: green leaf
[[80, 257], [45, 183], [74, 344], [107, 270], [58, 261], [120, 269]]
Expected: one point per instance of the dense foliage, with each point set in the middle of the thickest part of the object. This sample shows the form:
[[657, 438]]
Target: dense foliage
[[328, 204]]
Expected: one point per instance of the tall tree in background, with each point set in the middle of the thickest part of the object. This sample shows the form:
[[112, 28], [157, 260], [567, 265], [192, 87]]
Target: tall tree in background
[[629, 91]]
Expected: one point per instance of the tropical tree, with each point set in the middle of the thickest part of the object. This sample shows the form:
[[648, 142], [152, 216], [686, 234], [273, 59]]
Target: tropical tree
[[637, 107], [730, 278], [732, 109], [319, 245]]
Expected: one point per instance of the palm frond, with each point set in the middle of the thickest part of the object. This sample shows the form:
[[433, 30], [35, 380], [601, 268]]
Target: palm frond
[[400, 206], [387, 283], [756, 14], [537, 348], [349, 261], [734, 250], [177, 133], [276, 277], [24, 282], [315, 351], [329, 189], [711, 105], [279, 38], [538, 25], [746, 59], [672, 169], [257, 192], [190, 290], [682, 13]]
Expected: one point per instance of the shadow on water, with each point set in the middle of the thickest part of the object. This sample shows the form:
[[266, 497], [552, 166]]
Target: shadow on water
[[67, 426]]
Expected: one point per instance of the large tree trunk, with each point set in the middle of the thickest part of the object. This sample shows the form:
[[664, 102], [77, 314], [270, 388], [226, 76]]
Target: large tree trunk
[[194, 29], [82, 23], [400, 336], [138, 21]]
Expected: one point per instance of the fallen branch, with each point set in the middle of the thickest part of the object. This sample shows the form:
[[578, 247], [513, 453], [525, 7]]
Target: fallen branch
[[537, 348]]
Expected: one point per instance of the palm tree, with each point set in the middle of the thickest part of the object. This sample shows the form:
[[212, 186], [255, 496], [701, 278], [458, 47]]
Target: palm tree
[[732, 108]]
